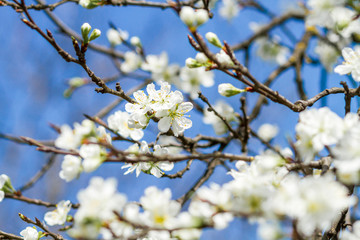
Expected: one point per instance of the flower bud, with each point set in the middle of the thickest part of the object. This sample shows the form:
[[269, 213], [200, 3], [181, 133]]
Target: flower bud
[[85, 30], [95, 34], [228, 90], [187, 15], [201, 16], [201, 58], [213, 39], [7, 186], [192, 63], [89, 4], [135, 41]]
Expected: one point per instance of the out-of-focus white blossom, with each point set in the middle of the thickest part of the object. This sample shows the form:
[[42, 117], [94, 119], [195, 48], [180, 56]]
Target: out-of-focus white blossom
[[192, 78], [160, 69], [270, 50], [97, 205], [132, 62], [320, 12], [267, 131], [224, 110], [135, 41], [229, 9], [93, 156], [327, 54], [316, 129], [70, 168], [116, 36]]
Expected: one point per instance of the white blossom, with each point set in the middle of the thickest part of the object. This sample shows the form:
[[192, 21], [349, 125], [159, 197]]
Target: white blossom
[[192, 78], [59, 215], [97, 205], [132, 62], [229, 9], [30, 233], [119, 123], [224, 110], [175, 118], [116, 36], [70, 168], [316, 129], [267, 131], [93, 156], [320, 11], [159, 209], [159, 68], [351, 64], [271, 50]]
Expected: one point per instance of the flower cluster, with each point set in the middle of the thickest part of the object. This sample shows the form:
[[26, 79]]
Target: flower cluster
[[164, 104], [87, 137], [105, 211], [320, 128]]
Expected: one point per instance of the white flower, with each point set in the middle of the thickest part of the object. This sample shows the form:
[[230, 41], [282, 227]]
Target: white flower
[[93, 156], [159, 209], [30, 233], [229, 9], [119, 123], [70, 168], [159, 68], [175, 117], [317, 128], [67, 139], [59, 215], [131, 63], [314, 202], [224, 110], [192, 78], [351, 64], [116, 37], [163, 98], [267, 131]]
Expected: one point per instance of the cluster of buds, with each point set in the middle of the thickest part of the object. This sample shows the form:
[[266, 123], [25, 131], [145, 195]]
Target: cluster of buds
[[193, 18], [85, 31]]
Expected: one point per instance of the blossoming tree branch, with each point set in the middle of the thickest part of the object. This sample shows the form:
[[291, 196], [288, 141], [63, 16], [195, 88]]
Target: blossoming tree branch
[[304, 190]]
